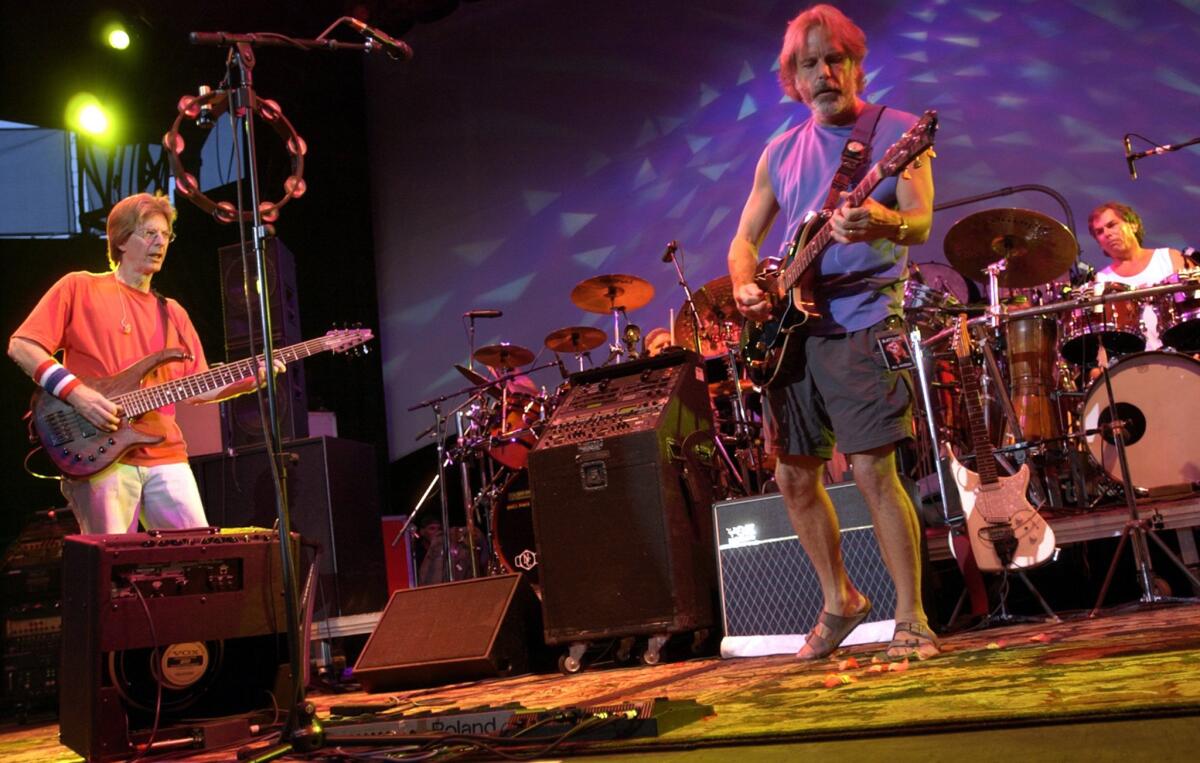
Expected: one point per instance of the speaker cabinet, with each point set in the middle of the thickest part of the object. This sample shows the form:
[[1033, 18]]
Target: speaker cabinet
[[450, 632], [241, 423], [621, 510], [333, 495], [770, 594], [283, 300], [192, 619]]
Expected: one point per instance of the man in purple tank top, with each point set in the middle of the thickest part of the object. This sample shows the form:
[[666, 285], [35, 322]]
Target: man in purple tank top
[[843, 390]]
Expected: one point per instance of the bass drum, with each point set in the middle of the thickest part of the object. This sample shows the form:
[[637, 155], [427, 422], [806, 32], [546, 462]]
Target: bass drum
[[1158, 396], [512, 529]]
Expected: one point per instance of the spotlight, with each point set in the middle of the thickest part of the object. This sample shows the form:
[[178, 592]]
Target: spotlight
[[87, 115], [115, 35], [118, 38]]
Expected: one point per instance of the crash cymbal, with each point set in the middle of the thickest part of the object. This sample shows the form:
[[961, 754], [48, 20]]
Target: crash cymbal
[[1037, 247], [603, 294], [575, 339], [503, 355], [720, 321], [474, 377]]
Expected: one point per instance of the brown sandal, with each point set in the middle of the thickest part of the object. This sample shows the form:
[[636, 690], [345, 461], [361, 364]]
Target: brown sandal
[[831, 630], [916, 645]]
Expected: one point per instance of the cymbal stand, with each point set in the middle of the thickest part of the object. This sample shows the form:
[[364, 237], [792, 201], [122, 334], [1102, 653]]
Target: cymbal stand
[[1136, 529], [742, 428], [463, 470], [615, 349]]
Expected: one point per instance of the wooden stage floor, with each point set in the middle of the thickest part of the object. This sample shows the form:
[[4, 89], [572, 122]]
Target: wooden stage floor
[[1119, 686]]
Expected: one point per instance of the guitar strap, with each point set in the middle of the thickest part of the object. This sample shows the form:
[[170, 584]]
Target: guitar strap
[[856, 156]]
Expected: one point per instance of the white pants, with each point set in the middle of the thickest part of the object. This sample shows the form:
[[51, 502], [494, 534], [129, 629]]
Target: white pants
[[163, 497]]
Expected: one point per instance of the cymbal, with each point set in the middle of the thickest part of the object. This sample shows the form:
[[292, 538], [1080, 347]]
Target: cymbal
[[479, 380], [603, 294], [575, 339], [1038, 248], [503, 355], [720, 320]]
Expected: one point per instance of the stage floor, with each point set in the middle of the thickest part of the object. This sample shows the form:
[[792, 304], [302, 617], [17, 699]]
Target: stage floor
[[1121, 685]]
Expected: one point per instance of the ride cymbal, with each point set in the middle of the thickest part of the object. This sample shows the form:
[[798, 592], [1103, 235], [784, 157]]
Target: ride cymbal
[[603, 294], [503, 355], [575, 339], [1036, 247]]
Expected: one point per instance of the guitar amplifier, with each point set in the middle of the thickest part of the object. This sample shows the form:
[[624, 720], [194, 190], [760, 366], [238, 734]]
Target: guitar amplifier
[[163, 630], [770, 595]]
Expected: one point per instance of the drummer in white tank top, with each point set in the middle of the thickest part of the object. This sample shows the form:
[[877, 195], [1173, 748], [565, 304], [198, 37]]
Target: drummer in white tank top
[[1118, 230]]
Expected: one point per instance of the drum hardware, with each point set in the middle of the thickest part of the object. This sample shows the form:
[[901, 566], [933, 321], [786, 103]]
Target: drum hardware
[[1179, 314], [1137, 529], [472, 416], [616, 294]]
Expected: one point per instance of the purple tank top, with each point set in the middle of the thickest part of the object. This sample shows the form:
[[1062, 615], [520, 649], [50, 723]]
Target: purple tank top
[[859, 284]]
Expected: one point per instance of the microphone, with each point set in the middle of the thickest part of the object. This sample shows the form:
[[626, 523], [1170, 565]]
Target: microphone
[[1129, 159], [397, 49], [482, 314], [672, 247]]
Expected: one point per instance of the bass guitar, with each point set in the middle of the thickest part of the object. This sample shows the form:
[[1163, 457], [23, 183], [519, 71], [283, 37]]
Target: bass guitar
[[789, 283], [1005, 530], [78, 449]]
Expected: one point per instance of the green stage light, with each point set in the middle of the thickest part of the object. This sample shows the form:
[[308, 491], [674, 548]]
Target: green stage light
[[117, 37], [87, 115]]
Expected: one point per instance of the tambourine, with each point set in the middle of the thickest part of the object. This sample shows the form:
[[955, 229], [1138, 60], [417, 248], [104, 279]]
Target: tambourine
[[215, 103]]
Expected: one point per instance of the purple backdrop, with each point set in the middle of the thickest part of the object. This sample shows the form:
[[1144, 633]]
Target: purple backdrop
[[532, 144]]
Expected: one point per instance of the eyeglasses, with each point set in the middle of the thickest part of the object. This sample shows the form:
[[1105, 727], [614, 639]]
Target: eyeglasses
[[147, 234]]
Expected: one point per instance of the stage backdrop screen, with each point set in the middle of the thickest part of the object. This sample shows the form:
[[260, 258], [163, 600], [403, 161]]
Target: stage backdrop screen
[[532, 144]]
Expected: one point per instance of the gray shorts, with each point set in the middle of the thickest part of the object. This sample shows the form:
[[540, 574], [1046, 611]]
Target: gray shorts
[[842, 391]]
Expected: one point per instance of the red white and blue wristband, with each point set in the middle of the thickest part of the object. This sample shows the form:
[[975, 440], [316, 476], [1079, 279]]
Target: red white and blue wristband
[[55, 379]]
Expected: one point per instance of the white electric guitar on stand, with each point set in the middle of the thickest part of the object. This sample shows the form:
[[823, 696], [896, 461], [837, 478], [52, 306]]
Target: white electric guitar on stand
[[1005, 530]]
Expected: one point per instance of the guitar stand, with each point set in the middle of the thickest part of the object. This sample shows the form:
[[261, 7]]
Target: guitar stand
[[1136, 529], [1000, 615]]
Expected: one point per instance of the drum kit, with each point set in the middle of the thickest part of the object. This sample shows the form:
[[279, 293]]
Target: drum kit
[[505, 412], [1047, 344]]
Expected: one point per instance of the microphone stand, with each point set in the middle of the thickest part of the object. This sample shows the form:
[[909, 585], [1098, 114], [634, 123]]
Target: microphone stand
[[300, 730], [672, 257]]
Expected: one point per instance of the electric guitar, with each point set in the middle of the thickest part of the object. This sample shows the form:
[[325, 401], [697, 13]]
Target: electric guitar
[[78, 449], [1005, 531], [789, 284]]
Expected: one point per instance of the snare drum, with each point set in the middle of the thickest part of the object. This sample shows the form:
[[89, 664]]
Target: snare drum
[[1116, 325], [1179, 318], [1158, 396]]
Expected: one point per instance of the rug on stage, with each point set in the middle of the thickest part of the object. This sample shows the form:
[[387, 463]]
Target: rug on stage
[[1114, 666], [1137, 664]]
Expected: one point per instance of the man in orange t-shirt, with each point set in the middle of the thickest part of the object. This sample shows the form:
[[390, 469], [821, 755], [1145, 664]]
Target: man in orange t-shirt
[[102, 323]]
